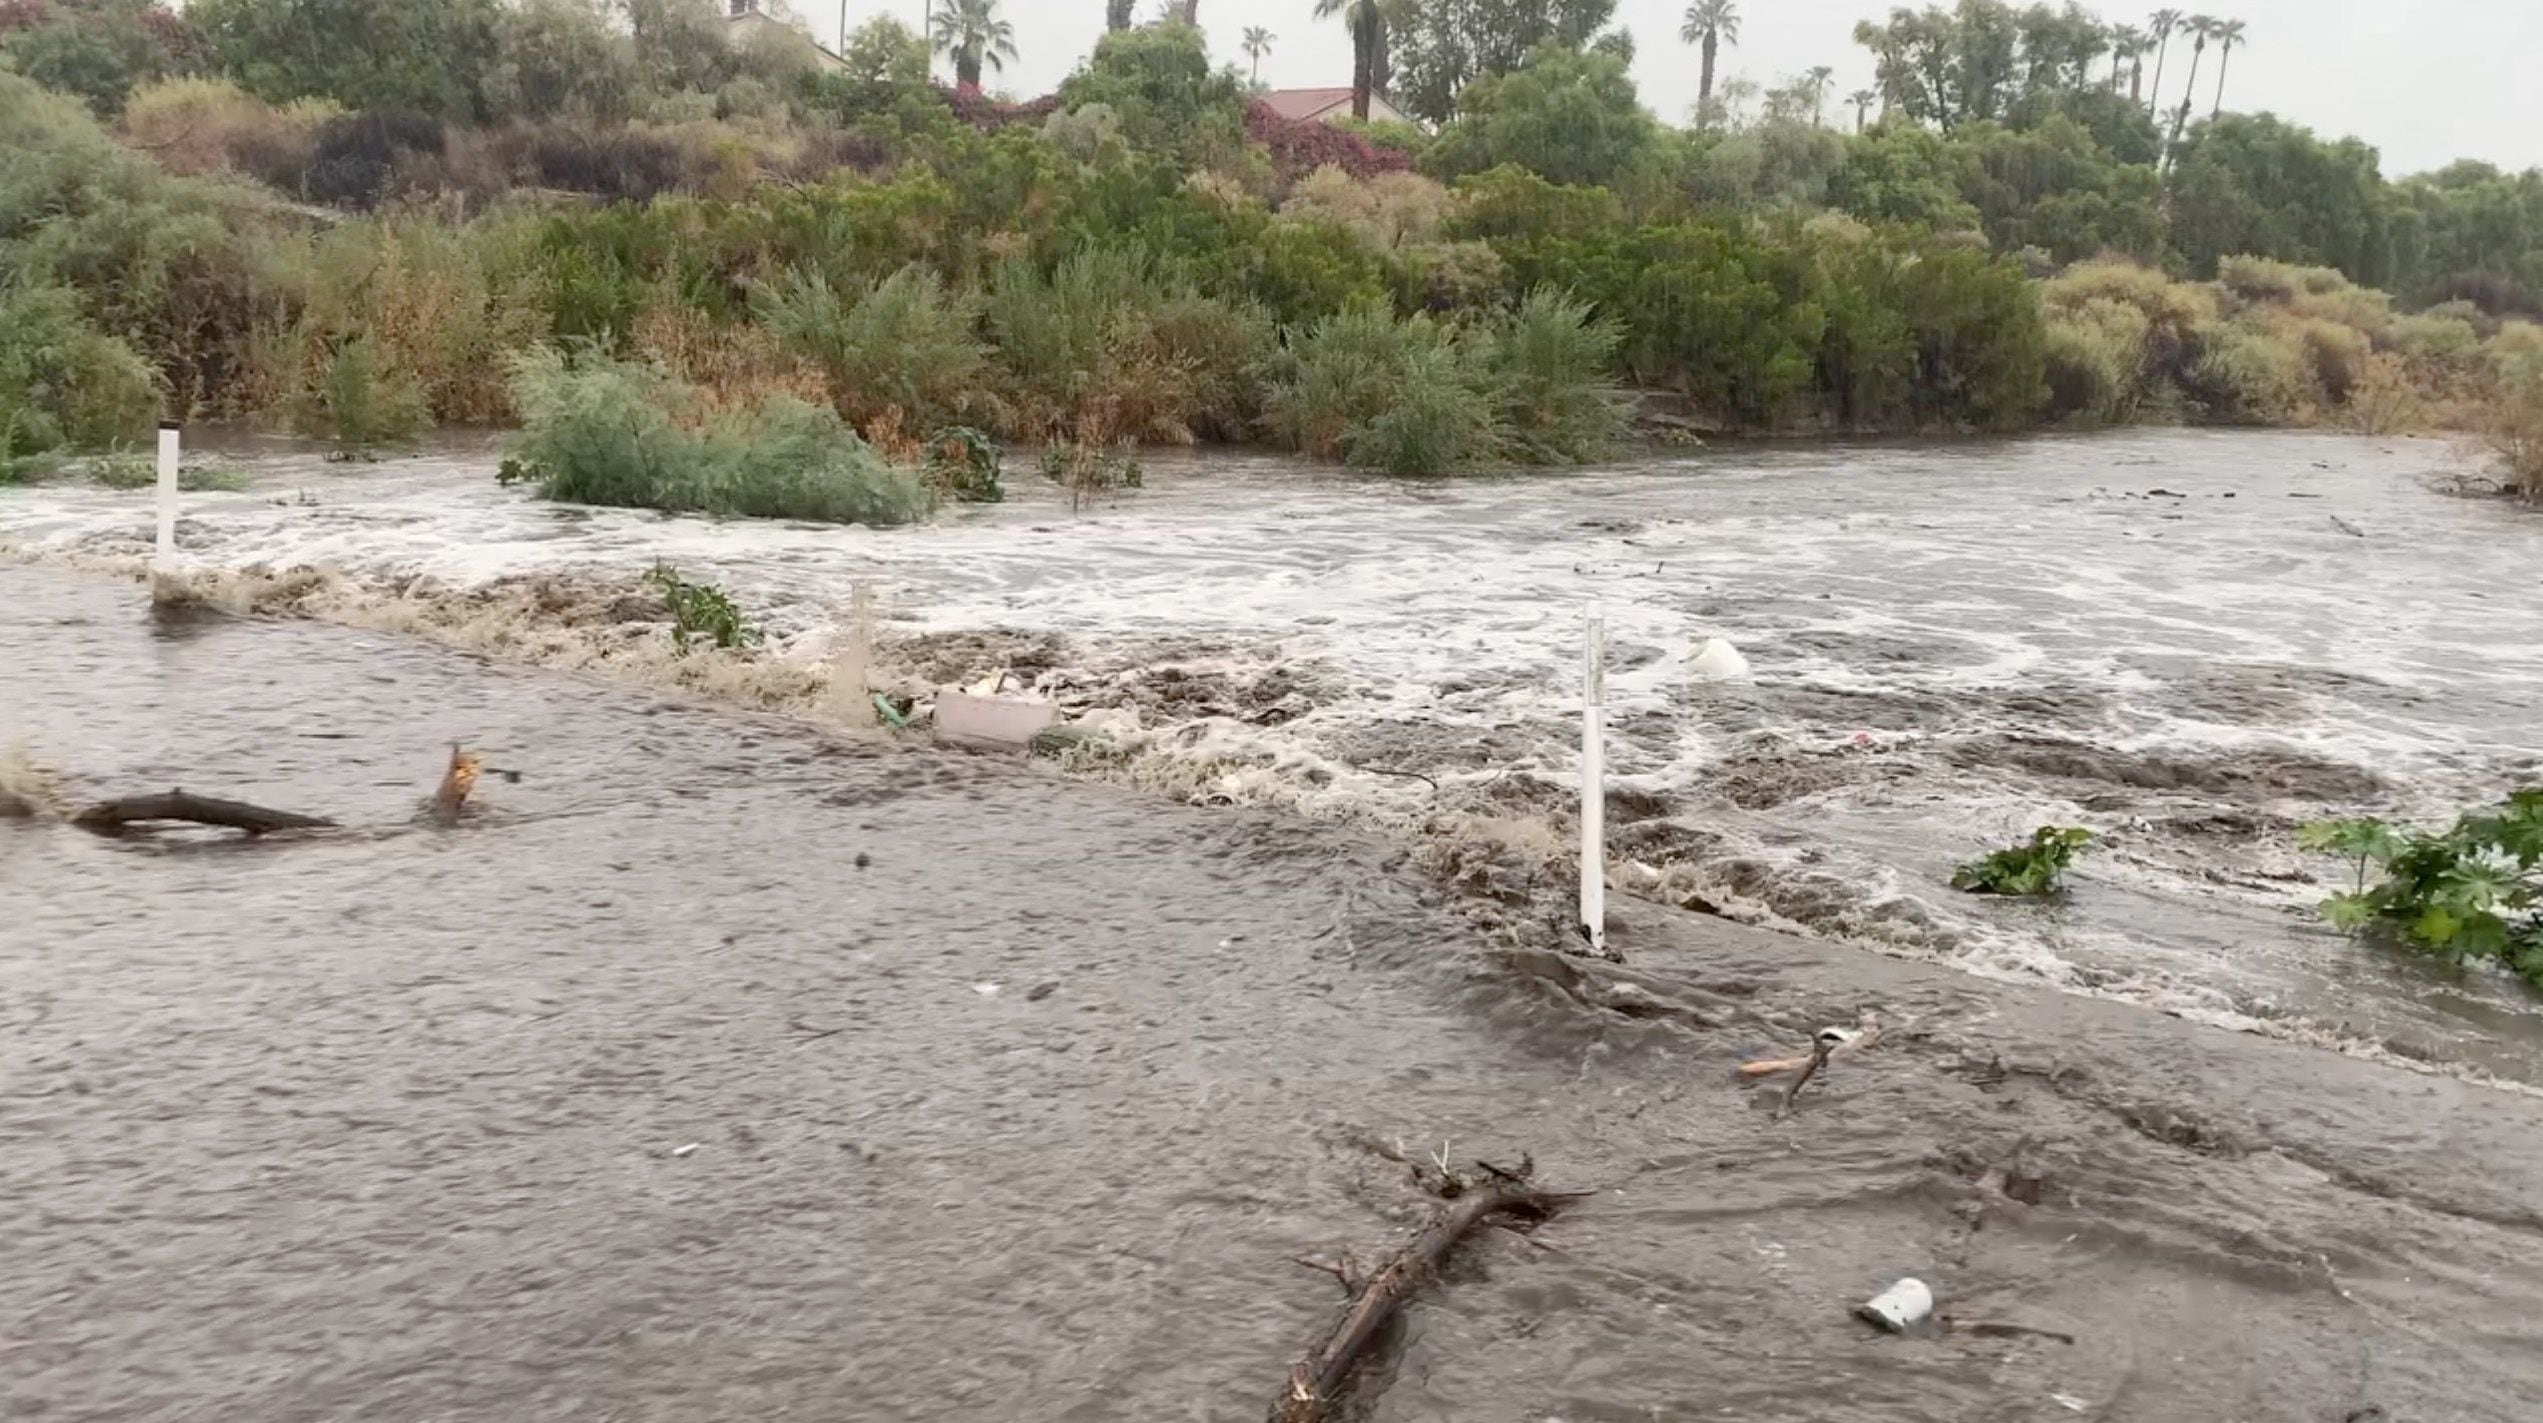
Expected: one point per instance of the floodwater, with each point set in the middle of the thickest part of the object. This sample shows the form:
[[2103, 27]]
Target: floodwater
[[721, 1068], [2189, 642]]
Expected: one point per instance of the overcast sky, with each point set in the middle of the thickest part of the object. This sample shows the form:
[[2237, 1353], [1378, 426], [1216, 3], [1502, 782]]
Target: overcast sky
[[2426, 81]]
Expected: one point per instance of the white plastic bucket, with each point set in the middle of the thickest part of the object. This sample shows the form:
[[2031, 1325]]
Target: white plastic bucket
[[991, 721], [1900, 1307]]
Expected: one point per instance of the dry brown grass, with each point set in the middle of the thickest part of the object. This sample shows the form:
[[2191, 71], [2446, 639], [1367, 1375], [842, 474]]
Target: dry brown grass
[[731, 366], [2515, 432], [202, 126], [2386, 400]]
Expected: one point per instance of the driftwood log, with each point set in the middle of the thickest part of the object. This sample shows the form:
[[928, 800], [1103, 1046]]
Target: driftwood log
[[1316, 1381], [109, 817]]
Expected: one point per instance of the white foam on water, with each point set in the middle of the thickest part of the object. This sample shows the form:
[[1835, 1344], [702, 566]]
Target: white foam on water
[[1896, 606]]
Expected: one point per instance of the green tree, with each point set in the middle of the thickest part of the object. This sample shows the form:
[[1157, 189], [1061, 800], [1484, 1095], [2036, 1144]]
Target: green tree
[[973, 33], [1438, 47], [680, 44], [1863, 100], [2229, 33], [424, 56], [1163, 95], [1257, 43], [102, 50], [1916, 63], [1570, 116], [2053, 187], [2254, 184], [1902, 173], [561, 56], [1711, 24]]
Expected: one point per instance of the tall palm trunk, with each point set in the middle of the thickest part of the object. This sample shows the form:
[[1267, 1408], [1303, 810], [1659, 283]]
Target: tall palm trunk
[[2137, 80], [1192, 12], [2181, 120], [2224, 61], [1704, 92], [2155, 99], [1117, 13], [1364, 23]]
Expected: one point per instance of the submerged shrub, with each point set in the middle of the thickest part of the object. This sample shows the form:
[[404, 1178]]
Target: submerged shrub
[[2514, 427], [2036, 867], [964, 464], [2094, 367], [361, 402], [701, 613], [1550, 361], [1406, 397], [2473, 892], [1441, 420], [2253, 376], [603, 431]]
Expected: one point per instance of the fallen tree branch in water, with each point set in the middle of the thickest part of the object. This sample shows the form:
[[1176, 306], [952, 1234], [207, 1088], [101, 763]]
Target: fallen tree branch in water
[[113, 816], [1502, 1198]]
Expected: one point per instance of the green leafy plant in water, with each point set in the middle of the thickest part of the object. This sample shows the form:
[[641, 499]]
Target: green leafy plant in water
[[2030, 869], [964, 463], [128, 470], [1086, 468], [596, 430], [124, 470], [362, 403], [701, 612], [2472, 891]]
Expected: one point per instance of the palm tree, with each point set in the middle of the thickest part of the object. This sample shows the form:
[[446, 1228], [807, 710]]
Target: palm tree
[[2203, 28], [2127, 43], [2228, 35], [1863, 100], [1712, 24], [1117, 13], [2161, 28], [1820, 74], [971, 31], [1257, 43], [1367, 19]]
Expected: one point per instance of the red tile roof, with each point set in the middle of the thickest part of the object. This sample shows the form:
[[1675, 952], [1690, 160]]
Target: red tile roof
[[1305, 103]]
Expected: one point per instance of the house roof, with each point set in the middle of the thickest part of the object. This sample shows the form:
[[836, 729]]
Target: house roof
[[1305, 103]]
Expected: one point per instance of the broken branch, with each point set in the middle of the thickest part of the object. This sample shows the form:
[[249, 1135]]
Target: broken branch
[[1316, 1380], [113, 816]]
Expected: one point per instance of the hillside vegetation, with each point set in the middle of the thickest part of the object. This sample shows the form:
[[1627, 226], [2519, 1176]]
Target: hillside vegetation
[[361, 220]]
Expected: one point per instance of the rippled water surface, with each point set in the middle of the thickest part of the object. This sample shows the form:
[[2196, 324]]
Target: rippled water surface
[[722, 1069], [2189, 642]]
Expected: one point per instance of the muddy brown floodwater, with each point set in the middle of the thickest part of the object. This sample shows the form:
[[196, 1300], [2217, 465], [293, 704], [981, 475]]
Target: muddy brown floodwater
[[724, 1070]]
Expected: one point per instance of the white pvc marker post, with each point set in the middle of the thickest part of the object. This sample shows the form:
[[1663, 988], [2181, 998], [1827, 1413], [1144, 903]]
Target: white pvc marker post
[[170, 443], [1594, 783]]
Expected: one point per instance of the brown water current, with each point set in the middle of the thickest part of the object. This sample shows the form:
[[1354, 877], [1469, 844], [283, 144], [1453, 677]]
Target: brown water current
[[724, 1069]]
